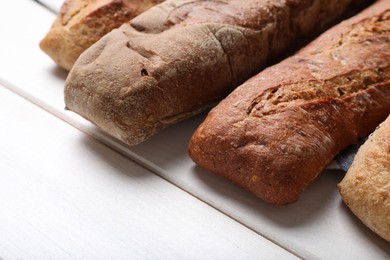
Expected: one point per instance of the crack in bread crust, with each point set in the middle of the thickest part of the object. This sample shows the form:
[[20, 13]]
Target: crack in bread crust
[[377, 25], [275, 100]]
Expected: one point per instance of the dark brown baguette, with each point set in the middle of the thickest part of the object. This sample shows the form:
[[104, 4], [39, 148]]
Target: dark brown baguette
[[81, 23], [366, 186], [177, 58], [275, 133]]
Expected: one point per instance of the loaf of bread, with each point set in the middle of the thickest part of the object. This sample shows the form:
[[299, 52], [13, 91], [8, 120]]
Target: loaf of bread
[[366, 186], [275, 133], [177, 58], [81, 23]]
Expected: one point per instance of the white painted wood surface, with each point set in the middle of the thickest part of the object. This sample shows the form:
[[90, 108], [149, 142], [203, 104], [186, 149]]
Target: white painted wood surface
[[318, 226], [64, 195]]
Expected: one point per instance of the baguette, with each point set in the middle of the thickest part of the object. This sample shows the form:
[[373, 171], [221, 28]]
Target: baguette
[[366, 186], [275, 133], [81, 23], [179, 57]]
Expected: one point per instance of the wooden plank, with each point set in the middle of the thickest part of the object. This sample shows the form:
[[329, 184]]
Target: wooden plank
[[315, 227], [64, 195]]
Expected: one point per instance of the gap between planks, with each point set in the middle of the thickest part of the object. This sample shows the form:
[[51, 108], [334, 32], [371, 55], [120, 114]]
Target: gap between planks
[[119, 148]]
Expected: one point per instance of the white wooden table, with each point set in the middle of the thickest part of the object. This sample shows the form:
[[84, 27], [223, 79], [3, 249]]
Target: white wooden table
[[68, 191]]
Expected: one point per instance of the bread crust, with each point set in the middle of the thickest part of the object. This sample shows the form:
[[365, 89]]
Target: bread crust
[[179, 57], [81, 23], [275, 133], [366, 186]]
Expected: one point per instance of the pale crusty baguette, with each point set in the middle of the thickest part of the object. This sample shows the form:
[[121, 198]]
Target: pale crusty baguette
[[81, 23], [177, 58], [366, 186], [274, 134]]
